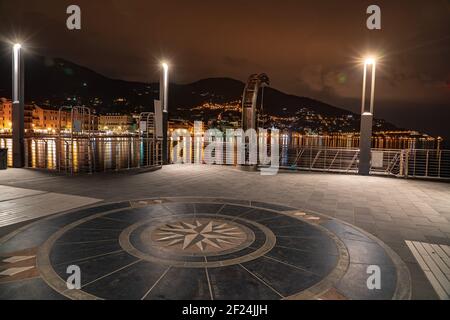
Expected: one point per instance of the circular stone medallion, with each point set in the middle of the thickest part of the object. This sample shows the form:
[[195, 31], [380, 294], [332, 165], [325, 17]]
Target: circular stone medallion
[[197, 249], [197, 240]]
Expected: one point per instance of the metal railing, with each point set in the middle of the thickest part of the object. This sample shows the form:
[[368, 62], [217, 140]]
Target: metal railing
[[341, 160], [320, 159], [426, 163], [407, 163], [414, 163], [91, 154]]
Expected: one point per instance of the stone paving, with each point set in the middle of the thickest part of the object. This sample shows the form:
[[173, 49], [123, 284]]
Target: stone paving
[[19, 205], [394, 210]]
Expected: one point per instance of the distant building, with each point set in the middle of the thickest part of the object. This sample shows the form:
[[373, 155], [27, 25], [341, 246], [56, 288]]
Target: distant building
[[44, 118], [48, 118], [116, 122], [6, 115]]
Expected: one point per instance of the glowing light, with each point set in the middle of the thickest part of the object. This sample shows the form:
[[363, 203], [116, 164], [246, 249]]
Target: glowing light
[[16, 72], [369, 61], [165, 86]]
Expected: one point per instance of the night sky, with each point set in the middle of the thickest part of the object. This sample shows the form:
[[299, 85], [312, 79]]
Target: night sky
[[308, 48]]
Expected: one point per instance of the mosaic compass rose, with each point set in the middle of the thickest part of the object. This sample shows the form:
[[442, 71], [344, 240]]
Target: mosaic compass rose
[[201, 235]]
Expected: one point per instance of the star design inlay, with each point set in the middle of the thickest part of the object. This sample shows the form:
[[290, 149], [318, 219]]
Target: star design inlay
[[200, 234]]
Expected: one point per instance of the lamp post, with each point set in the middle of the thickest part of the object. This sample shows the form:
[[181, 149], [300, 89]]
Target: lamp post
[[18, 122], [365, 142], [164, 99]]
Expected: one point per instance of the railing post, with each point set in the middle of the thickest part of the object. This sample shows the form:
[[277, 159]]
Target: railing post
[[402, 167], [129, 153], [439, 162], [407, 164], [310, 158], [45, 154]]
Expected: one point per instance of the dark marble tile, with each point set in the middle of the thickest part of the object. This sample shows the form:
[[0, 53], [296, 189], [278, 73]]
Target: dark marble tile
[[31, 237], [280, 221], [235, 201], [95, 268], [344, 231], [209, 208], [301, 230], [259, 214], [323, 245], [135, 236], [180, 208], [62, 253], [234, 210], [182, 284], [30, 289], [131, 283], [235, 283], [354, 284], [80, 214], [36, 234], [137, 214], [232, 255], [271, 206], [107, 207], [68, 218], [285, 279], [78, 234], [63, 220], [100, 223], [260, 239], [316, 262]]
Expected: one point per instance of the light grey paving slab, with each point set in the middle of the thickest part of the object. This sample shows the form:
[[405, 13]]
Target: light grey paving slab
[[10, 193], [26, 204], [434, 264]]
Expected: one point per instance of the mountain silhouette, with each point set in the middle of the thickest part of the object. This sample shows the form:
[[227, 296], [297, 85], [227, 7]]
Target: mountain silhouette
[[55, 81], [58, 82]]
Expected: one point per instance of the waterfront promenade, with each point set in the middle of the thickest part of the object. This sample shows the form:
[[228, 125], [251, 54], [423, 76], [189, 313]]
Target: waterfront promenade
[[393, 210]]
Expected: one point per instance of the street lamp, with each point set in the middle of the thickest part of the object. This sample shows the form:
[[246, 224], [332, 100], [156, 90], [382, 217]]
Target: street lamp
[[164, 99], [18, 122], [164, 87], [365, 143]]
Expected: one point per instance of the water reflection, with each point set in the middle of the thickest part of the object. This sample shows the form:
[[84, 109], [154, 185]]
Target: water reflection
[[92, 154], [85, 154]]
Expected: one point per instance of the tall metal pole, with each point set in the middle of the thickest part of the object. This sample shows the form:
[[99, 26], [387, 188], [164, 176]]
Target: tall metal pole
[[365, 143], [18, 118], [164, 98]]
